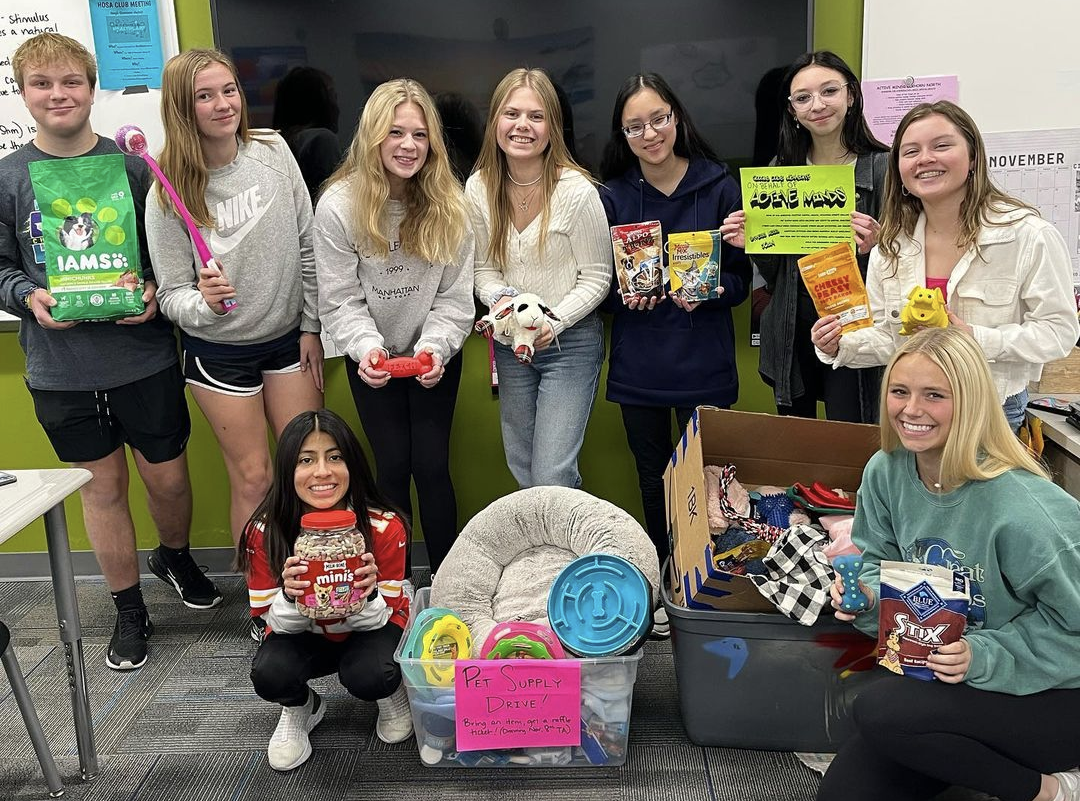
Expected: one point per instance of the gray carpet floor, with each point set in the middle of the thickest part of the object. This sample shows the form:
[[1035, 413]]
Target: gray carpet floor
[[188, 727]]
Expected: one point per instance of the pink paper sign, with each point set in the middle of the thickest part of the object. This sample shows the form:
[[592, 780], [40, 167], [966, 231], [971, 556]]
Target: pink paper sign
[[886, 102], [517, 703]]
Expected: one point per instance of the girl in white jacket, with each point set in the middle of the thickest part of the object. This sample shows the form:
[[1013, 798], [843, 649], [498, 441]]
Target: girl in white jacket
[[1004, 271]]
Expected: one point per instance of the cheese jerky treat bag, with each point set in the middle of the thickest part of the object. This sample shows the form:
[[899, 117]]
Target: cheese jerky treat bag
[[638, 263], [91, 239], [836, 286], [694, 264], [922, 607]]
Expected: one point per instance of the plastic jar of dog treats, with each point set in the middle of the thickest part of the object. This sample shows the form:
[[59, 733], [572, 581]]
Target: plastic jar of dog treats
[[332, 546]]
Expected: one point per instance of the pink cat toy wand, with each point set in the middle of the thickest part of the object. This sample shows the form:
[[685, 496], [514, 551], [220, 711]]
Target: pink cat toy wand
[[131, 140]]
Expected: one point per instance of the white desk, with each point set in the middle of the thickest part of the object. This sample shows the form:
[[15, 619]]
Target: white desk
[[39, 493], [1062, 446]]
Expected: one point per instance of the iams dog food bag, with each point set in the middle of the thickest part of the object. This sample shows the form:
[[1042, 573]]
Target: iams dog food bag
[[922, 607], [91, 239]]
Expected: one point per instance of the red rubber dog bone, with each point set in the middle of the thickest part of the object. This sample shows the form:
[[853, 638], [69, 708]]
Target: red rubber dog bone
[[404, 366]]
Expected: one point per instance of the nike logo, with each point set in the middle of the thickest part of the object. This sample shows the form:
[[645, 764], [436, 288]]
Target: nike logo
[[401, 544], [243, 210]]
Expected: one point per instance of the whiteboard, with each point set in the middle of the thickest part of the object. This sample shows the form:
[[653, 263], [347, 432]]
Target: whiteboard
[[1017, 62], [22, 19]]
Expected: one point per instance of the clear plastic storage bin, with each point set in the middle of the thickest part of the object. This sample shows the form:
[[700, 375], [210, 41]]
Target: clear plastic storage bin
[[607, 689]]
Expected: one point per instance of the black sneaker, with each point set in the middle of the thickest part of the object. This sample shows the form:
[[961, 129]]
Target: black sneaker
[[196, 590], [257, 628], [127, 648]]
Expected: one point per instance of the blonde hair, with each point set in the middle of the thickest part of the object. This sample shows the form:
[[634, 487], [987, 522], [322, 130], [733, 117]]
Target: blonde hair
[[182, 158], [980, 445], [900, 211], [47, 49], [435, 217], [492, 166]]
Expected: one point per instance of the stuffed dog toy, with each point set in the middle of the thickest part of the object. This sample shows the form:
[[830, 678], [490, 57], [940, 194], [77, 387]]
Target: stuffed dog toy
[[925, 308], [520, 320]]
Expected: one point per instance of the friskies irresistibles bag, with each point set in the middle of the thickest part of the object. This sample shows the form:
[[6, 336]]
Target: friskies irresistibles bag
[[91, 238], [922, 607]]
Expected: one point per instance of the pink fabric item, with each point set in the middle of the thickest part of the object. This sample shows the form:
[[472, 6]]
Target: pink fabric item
[[840, 536]]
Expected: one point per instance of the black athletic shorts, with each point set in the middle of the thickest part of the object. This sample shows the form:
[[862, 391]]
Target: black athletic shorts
[[150, 415]]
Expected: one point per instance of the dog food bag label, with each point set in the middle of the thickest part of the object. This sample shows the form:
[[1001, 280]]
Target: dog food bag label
[[91, 240], [922, 607], [639, 264], [836, 286], [694, 264]]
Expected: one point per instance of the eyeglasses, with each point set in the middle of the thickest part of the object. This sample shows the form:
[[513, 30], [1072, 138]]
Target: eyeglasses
[[656, 123], [827, 93]]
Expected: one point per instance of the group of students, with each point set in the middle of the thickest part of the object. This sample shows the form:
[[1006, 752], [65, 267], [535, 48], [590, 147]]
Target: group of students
[[389, 262]]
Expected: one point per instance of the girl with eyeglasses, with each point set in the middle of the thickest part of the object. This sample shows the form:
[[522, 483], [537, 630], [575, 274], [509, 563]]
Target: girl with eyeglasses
[[540, 228], [667, 355], [1004, 271], [822, 124]]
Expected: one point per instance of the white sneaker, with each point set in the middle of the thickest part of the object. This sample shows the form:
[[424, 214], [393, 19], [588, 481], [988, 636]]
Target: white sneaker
[[661, 628], [1069, 784], [395, 717], [289, 746]]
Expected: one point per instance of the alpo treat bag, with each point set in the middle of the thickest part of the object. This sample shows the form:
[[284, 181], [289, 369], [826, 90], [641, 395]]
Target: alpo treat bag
[[921, 607], [836, 286], [694, 264], [91, 240], [639, 265]]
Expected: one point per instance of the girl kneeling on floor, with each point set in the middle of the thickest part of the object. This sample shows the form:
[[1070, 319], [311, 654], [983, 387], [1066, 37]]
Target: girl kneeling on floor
[[319, 466], [952, 486]]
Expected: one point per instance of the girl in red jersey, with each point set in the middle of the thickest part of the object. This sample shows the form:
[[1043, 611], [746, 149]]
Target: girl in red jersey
[[320, 466]]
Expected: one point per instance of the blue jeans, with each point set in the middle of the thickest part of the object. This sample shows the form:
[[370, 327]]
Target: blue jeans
[[1015, 408], [544, 406]]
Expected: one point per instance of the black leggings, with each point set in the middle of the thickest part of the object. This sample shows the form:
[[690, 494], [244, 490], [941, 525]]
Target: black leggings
[[838, 388], [364, 662], [409, 431], [648, 433], [918, 738]]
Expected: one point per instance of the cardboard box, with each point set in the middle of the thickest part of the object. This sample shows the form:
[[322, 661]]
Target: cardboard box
[[765, 449], [1062, 376]]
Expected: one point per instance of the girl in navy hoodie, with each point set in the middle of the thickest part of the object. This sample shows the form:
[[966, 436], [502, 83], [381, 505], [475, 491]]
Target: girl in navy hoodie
[[667, 354]]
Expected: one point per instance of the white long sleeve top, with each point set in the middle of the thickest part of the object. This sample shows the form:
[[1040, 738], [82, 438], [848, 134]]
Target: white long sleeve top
[[572, 273], [1018, 298]]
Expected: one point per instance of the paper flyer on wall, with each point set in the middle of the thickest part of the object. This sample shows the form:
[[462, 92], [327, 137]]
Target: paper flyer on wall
[[886, 102], [127, 42], [797, 210], [1042, 168]]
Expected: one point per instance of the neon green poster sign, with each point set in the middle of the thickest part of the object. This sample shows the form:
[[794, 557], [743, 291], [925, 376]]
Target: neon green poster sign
[[797, 209]]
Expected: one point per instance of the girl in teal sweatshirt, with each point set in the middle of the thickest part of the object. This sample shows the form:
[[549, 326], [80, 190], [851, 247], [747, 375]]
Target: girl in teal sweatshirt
[[952, 486]]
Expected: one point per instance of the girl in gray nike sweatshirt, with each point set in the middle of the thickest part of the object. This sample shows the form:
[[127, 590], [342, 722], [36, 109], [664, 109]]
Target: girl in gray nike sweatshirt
[[260, 362], [394, 258]]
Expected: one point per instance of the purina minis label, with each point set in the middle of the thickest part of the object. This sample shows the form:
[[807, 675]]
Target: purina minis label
[[332, 594], [90, 235], [922, 608]]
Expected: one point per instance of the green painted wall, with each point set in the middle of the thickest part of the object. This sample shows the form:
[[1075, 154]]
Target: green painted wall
[[479, 469]]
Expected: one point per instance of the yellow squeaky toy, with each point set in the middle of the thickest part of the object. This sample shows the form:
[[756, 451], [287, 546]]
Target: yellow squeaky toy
[[925, 308]]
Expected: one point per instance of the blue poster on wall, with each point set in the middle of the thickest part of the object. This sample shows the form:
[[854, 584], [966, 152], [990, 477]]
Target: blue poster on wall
[[127, 38]]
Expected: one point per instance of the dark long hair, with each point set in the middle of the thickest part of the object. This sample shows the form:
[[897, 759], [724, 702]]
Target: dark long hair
[[689, 143], [795, 140], [280, 511]]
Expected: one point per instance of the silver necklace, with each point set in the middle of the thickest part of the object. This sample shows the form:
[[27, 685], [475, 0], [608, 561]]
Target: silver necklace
[[523, 204], [518, 183]]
